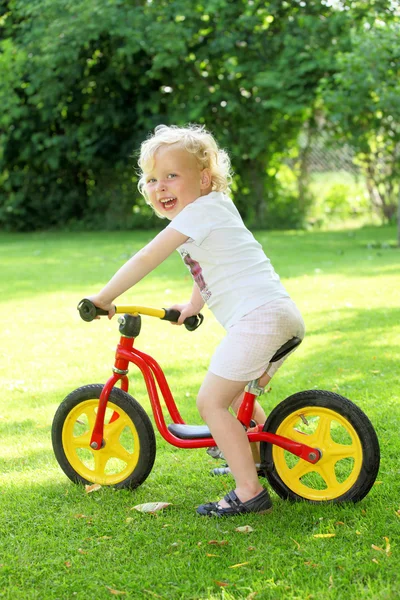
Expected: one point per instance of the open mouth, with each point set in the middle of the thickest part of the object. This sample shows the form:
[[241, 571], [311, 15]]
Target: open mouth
[[168, 203]]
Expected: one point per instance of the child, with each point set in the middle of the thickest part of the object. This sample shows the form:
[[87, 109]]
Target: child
[[185, 178]]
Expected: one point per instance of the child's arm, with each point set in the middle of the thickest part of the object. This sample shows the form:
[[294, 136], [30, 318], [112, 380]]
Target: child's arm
[[140, 265], [193, 307]]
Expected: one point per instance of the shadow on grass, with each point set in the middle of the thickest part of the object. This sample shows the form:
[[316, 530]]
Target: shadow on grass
[[363, 322]]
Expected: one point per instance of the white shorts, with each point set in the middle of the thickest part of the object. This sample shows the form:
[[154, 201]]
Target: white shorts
[[245, 353]]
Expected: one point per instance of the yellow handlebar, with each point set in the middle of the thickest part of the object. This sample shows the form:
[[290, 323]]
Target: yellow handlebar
[[141, 310], [88, 311]]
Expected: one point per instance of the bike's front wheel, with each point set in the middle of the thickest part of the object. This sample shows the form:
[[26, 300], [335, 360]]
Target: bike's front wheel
[[342, 433], [129, 448]]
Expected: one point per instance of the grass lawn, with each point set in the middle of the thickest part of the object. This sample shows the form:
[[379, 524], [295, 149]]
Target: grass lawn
[[58, 542]]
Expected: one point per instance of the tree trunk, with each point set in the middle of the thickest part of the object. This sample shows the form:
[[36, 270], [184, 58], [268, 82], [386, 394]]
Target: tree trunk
[[258, 188], [303, 178], [380, 192], [254, 209]]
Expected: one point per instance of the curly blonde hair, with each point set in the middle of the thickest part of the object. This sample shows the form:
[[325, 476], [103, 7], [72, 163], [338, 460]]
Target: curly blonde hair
[[195, 139]]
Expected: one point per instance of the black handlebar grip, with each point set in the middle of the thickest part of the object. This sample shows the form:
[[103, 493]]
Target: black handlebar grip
[[88, 311], [171, 314], [191, 323]]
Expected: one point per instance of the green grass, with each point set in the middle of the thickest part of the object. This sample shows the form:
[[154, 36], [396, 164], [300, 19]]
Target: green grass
[[58, 542]]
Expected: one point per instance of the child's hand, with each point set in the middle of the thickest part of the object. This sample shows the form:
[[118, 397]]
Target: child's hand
[[186, 310], [100, 303]]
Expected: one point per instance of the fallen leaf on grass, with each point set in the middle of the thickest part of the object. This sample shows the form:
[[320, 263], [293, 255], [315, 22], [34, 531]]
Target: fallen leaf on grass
[[297, 543], [217, 543], [238, 565], [244, 529], [250, 548], [152, 593], [339, 523], [82, 551], [375, 561], [324, 535], [211, 554], [115, 592], [151, 507], [92, 488], [221, 583], [251, 596], [89, 519], [387, 549], [68, 564], [380, 549]]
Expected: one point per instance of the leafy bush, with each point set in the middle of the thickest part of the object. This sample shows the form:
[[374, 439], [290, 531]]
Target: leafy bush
[[337, 196], [82, 83]]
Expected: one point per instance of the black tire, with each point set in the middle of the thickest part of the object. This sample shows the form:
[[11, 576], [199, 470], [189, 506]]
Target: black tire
[[128, 434], [350, 460]]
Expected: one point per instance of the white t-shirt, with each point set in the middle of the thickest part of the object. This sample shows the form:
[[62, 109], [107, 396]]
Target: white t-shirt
[[229, 266]]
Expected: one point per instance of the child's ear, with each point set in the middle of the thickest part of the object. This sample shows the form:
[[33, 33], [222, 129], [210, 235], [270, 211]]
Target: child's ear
[[205, 178]]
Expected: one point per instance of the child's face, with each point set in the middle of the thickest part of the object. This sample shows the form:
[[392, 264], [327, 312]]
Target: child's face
[[175, 180]]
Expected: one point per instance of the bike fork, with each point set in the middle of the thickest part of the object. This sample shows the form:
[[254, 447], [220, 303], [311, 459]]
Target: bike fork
[[120, 372]]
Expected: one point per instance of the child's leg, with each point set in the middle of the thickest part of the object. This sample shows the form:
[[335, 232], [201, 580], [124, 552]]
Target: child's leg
[[214, 399]]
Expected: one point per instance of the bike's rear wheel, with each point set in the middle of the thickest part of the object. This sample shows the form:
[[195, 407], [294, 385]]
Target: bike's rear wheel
[[340, 430], [129, 450]]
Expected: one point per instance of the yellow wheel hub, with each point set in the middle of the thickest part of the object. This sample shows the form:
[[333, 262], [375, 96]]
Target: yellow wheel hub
[[109, 465], [341, 461]]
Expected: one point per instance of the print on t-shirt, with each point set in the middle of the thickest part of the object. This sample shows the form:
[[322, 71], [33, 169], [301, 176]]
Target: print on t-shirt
[[197, 274]]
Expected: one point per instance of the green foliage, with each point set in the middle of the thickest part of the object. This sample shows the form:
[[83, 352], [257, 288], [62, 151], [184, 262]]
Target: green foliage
[[337, 196], [72, 114], [83, 82], [362, 100], [87, 80], [253, 71]]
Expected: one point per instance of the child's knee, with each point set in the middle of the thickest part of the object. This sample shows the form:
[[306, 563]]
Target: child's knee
[[201, 404], [206, 404]]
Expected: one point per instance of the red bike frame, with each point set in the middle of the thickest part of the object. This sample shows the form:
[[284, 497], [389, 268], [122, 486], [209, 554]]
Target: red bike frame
[[153, 373]]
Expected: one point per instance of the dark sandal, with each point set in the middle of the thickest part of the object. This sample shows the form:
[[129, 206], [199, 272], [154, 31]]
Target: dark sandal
[[259, 504]]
